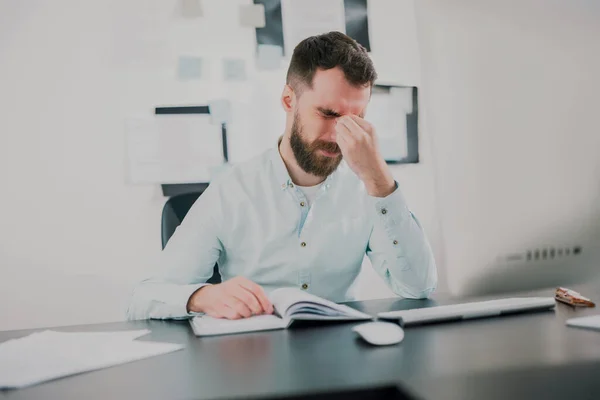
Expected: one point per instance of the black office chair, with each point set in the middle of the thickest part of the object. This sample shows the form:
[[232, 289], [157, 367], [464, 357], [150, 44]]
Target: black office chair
[[174, 211]]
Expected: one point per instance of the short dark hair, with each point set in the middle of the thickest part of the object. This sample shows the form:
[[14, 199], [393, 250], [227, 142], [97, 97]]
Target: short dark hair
[[326, 51]]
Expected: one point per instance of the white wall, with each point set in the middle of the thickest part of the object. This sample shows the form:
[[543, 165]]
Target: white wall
[[74, 236]]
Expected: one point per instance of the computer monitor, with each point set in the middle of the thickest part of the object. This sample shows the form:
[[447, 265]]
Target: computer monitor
[[518, 180], [519, 201], [520, 206]]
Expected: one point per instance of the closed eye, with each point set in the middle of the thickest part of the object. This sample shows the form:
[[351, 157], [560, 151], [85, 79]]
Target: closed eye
[[328, 114]]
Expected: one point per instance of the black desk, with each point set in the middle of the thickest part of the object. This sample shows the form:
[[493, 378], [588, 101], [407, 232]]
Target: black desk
[[521, 356]]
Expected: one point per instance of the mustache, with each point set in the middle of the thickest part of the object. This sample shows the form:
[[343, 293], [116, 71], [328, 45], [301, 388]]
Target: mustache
[[330, 147]]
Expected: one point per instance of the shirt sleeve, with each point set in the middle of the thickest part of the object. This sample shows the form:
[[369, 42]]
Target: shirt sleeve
[[399, 249], [184, 266]]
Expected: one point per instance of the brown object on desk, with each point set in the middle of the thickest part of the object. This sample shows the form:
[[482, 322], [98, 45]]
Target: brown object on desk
[[572, 298]]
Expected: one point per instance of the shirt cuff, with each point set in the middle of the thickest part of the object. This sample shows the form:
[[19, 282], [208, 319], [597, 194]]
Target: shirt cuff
[[392, 209], [174, 302]]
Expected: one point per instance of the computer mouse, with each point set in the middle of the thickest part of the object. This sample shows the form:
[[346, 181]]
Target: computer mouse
[[380, 333]]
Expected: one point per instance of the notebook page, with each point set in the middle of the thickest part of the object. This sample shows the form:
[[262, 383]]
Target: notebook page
[[208, 326], [288, 300]]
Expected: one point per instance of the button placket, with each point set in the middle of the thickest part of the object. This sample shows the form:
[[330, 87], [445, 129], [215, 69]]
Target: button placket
[[302, 202], [304, 279]]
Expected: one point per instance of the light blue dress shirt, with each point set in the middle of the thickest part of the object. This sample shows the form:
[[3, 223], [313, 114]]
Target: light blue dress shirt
[[256, 223]]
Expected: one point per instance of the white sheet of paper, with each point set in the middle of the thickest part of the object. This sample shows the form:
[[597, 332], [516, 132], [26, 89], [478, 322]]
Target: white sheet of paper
[[220, 111], [305, 18], [269, 57], [387, 114], [47, 355], [125, 335], [172, 148], [191, 8], [189, 68], [234, 69], [589, 322], [252, 15]]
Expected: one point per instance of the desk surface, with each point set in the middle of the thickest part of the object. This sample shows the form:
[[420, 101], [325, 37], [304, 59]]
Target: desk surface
[[521, 356]]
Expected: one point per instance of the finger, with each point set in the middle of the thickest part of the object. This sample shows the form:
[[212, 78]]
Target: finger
[[259, 293], [344, 142], [342, 134], [230, 313], [221, 311], [352, 127], [214, 313], [248, 298], [239, 307], [363, 123]]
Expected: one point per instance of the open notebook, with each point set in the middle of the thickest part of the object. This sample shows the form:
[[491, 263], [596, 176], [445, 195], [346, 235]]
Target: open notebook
[[290, 304]]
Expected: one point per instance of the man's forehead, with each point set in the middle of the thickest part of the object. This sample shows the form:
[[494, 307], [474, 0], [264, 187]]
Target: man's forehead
[[332, 91], [340, 105]]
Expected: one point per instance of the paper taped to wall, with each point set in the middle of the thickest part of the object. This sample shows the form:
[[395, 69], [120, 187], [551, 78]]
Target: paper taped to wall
[[305, 18], [234, 69], [387, 112], [402, 96], [189, 68], [190, 8], [220, 111], [179, 148], [252, 15], [269, 57]]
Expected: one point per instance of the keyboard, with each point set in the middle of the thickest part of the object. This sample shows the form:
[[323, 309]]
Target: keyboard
[[478, 309]]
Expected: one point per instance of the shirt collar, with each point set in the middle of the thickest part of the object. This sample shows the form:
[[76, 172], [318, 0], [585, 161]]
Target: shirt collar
[[282, 175]]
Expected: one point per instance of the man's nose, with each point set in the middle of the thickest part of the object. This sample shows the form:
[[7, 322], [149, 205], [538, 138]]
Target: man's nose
[[331, 134]]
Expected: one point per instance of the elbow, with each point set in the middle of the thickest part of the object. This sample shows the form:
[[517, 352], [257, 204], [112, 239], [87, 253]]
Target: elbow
[[420, 285], [417, 294], [136, 309], [131, 314]]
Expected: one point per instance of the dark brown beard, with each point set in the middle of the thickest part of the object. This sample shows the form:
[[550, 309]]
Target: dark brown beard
[[306, 153]]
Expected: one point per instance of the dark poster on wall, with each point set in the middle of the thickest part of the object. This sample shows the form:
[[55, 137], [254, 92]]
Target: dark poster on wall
[[357, 21], [355, 14]]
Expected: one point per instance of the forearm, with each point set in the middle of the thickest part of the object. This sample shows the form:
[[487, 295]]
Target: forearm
[[399, 249], [160, 300], [185, 265]]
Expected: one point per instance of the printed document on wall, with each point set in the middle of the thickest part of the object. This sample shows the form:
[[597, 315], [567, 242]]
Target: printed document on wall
[[172, 148], [387, 112], [305, 18]]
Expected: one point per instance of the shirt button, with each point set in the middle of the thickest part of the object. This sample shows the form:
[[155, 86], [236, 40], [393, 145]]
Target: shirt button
[[395, 242], [383, 211], [303, 244], [305, 286], [291, 185], [302, 204]]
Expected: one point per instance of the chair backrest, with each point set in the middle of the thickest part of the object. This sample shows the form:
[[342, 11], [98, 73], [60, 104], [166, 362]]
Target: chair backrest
[[174, 211]]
